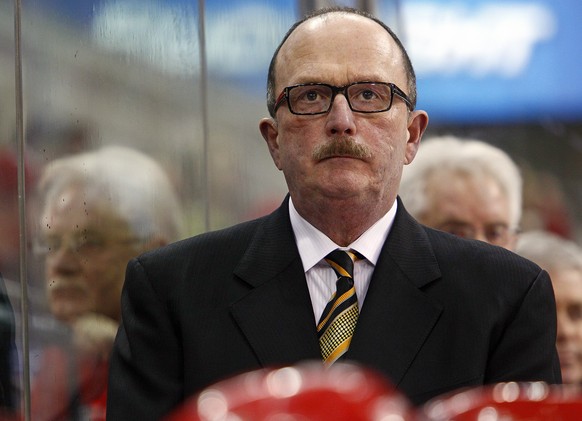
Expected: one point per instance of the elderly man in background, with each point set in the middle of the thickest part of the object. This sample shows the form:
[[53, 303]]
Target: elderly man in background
[[98, 210], [562, 258], [466, 187]]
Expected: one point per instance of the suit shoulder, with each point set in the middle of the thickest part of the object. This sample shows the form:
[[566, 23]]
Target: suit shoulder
[[226, 242], [479, 256], [487, 276]]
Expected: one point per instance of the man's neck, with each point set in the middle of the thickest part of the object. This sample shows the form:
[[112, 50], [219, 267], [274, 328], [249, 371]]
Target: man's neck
[[343, 221]]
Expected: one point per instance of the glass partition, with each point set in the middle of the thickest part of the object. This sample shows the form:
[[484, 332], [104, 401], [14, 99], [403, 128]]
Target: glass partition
[[101, 80], [183, 83]]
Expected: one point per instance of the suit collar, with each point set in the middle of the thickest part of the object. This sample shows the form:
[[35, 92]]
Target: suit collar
[[409, 248], [277, 318], [276, 315], [398, 317], [271, 250], [314, 245]]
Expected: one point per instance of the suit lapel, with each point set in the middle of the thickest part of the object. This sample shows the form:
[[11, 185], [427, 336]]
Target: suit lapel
[[277, 319], [276, 316], [397, 317]]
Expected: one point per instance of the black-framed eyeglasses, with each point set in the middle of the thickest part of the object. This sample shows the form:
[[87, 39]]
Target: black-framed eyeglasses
[[362, 97]]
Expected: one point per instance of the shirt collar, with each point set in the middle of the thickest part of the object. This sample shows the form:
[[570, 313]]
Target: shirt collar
[[314, 245]]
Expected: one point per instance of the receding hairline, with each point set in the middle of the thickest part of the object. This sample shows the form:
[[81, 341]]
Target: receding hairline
[[326, 13], [332, 14], [311, 26]]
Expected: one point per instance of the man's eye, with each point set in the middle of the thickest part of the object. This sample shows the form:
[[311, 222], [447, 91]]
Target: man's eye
[[311, 96], [496, 234], [368, 95], [458, 230]]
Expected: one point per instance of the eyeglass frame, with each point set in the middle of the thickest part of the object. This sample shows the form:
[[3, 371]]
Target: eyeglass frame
[[284, 96]]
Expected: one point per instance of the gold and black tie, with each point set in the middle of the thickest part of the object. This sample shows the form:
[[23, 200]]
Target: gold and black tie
[[338, 320]]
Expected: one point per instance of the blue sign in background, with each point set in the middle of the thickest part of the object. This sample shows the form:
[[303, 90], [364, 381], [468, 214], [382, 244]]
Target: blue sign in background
[[548, 86], [477, 61]]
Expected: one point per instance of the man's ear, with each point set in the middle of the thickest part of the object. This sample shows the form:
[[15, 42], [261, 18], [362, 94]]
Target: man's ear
[[417, 123], [270, 132]]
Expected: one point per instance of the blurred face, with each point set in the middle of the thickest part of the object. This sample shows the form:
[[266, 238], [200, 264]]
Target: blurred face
[[313, 151], [469, 207], [87, 248], [568, 291]]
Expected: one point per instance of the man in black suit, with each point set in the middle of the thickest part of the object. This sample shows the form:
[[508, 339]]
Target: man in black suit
[[436, 312]]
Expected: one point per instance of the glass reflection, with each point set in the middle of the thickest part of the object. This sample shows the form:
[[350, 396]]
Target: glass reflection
[[98, 209], [100, 73]]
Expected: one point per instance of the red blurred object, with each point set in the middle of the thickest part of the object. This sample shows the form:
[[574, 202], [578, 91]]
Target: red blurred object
[[9, 172], [304, 392], [529, 401], [68, 384]]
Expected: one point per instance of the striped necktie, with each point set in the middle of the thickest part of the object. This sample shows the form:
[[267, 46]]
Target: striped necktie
[[338, 320]]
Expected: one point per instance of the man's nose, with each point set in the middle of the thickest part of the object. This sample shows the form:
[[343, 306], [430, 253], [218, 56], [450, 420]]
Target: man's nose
[[340, 118]]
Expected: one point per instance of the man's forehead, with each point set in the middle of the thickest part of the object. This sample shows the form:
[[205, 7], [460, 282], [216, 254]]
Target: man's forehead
[[337, 39], [333, 23], [330, 18], [69, 210]]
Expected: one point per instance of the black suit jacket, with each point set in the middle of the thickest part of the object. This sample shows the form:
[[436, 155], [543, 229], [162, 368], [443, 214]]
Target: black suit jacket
[[441, 313]]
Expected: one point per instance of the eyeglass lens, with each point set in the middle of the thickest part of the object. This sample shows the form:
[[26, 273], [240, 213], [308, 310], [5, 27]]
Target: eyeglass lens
[[317, 98]]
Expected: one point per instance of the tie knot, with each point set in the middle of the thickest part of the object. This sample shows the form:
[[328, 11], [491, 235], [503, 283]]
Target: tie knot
[[342, 262]]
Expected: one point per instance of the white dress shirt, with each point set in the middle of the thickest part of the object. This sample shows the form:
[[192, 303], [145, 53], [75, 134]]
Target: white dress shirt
[[314, 245]]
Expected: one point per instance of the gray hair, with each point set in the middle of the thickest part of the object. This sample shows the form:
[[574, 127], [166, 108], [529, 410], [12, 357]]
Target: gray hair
[[549, 250], [470, 156], [130, 183]]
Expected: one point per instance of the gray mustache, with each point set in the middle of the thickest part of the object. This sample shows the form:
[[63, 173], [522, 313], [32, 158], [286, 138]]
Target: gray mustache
[[342, 146]]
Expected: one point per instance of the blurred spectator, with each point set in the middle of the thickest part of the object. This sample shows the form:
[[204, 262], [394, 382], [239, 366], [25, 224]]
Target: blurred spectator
[[466, 187], [562, 258], [99, 209]]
